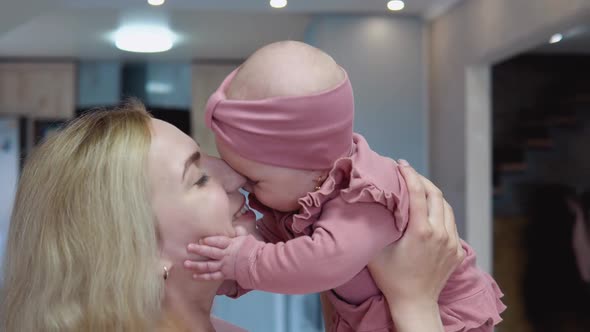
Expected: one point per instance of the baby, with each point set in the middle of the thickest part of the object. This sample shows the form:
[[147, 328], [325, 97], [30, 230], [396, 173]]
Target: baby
[[284, 119]]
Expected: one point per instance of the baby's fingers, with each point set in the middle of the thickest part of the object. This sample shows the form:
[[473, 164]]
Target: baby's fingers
[[209, 276], [220, 242], [206, 251], [203, 267]]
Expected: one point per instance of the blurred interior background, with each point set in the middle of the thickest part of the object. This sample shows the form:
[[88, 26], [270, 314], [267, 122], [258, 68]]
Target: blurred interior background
[[489, 98]]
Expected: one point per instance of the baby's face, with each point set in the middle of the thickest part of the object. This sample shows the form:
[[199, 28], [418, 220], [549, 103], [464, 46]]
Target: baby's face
[[276, 187]]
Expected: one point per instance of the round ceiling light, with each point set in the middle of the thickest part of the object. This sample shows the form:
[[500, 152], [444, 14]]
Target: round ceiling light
[[278, 3], [144, 38], [156, 2], [556, 38], [396, 5]]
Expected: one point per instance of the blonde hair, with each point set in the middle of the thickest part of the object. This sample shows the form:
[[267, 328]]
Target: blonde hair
[[82, 251]]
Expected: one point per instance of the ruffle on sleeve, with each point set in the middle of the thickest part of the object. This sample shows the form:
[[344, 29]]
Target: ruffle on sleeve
[[371, 315], [470, 300], [353, 179]]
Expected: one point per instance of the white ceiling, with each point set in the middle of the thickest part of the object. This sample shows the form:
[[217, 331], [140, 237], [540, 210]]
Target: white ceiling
[[208, 28], [413, 7]]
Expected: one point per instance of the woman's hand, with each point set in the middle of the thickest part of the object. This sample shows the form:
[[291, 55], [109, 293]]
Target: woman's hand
[[412, 272]]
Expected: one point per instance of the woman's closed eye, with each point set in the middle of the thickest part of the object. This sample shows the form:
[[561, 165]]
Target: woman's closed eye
[[202, 180]]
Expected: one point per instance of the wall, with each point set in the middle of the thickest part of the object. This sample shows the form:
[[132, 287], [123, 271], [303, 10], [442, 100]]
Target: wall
[[474, 33], [99, 83], [169, 85], [385, 60], [160, 84], [206, 78]]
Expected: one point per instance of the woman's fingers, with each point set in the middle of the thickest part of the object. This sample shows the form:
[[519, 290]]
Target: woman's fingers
[[418, 204], [449, 223], [451, 228], [454, 239], [439, 213], [435, 200]]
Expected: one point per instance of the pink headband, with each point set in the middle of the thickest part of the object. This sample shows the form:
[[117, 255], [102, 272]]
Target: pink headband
[[302, 132]]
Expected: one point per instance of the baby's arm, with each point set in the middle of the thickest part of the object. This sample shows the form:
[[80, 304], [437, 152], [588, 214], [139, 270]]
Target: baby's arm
[[344, 240], [470, 300], [262, 230]]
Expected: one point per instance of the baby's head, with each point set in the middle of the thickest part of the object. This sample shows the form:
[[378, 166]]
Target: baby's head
[[282, 69], [282, 120]]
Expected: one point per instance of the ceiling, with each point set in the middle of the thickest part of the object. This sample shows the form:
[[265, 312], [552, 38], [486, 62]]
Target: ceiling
[[413, 7], [210, 29]]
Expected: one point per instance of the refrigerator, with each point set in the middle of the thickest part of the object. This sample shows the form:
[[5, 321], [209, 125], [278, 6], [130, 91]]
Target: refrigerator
[[9, 172]]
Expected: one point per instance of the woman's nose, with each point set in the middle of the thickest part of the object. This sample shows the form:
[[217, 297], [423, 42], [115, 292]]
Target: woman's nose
[[229, 179]]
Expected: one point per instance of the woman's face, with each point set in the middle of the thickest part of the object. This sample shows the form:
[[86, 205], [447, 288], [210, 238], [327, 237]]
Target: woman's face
[[193, 195]]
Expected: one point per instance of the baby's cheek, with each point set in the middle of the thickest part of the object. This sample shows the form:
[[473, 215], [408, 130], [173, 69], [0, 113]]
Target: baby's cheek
[[277, 200], [264, 196]]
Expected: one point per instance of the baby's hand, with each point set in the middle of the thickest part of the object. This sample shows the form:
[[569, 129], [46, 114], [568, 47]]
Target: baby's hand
[[222, 252], [247, 227]]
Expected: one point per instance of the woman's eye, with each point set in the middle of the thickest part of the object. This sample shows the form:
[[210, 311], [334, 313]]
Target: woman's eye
[[202, 180]]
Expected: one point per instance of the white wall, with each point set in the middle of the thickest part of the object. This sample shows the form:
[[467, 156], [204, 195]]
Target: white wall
[[469, 37], [384, 57]]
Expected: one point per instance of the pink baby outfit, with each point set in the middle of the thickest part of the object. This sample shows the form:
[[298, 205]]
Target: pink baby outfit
[[361, 207]]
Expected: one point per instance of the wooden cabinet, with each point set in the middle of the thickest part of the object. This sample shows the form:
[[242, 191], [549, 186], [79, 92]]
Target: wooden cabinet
[[38, 90]]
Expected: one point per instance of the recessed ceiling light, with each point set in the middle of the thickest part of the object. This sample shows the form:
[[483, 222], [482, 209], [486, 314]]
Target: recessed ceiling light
[[278, 3], [395, 5], [144, 38], [556, 38], [156, 2]]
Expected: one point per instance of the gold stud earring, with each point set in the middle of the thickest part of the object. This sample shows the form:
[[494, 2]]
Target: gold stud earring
[[166, 273]]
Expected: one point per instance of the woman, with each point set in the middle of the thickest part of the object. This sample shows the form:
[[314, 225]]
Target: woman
[[581, 236], [102, 216], [553, 289]]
